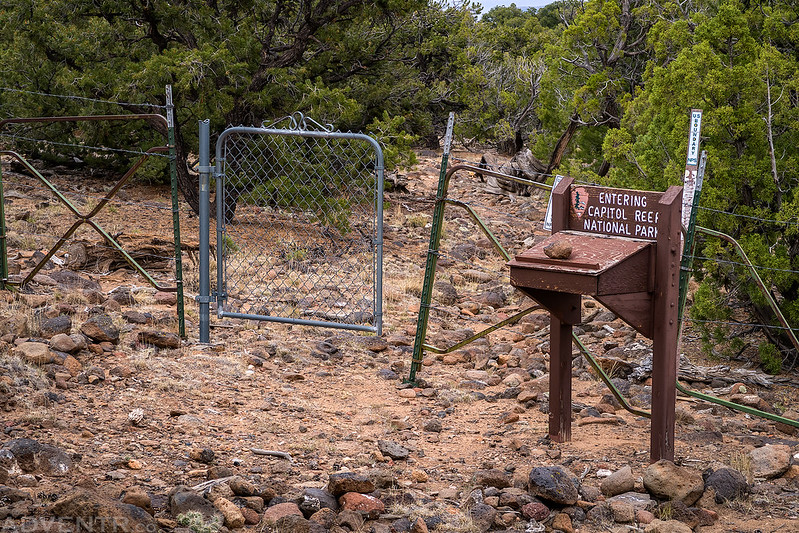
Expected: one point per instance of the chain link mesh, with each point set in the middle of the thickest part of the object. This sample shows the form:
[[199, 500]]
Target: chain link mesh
[[301, 231]]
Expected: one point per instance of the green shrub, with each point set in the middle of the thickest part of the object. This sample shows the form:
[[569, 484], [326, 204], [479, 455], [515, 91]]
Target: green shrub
[[770, 358], [197, 523]]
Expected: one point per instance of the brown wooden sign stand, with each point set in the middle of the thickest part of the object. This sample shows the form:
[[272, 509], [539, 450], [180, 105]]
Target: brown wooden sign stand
[[625, 252]]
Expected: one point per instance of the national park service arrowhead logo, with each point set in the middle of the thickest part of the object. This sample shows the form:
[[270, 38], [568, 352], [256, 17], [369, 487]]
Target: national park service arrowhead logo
[[579, 201]]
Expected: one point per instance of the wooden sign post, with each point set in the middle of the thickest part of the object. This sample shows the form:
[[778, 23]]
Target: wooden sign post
[[625, 253]]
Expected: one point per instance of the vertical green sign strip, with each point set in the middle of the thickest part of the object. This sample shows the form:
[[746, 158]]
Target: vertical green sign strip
[[692, 189], [691, 167], [432, 255]]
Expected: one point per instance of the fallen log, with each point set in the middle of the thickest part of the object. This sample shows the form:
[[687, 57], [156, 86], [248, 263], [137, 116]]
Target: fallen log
[[153, 253], [523, 165]]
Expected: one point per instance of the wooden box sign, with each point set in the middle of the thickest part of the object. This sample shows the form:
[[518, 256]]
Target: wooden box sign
[[597, 266], [623, 248], [620, 212]]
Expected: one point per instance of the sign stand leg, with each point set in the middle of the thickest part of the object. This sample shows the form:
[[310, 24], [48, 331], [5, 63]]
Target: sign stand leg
[[664, 354], [560, 380], [565, 313]]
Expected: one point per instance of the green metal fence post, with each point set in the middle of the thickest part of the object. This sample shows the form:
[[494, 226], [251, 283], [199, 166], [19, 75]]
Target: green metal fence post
[[173, 172], [432, 256], [3, 245]]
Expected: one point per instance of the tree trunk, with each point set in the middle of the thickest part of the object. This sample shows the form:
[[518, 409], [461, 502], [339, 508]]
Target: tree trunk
[[770, 136], [511, 147], [562, 144], [188, 184]]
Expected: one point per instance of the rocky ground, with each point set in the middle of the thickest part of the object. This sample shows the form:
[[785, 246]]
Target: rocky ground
[[111, 422]]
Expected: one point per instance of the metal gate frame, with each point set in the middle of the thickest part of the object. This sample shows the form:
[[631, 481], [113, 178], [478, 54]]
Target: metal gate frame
[[298, 128]]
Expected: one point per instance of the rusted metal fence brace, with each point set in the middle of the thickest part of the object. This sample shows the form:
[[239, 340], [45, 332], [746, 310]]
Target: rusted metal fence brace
[[86, 218]]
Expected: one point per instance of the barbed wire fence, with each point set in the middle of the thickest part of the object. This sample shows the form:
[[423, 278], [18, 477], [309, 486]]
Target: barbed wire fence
[[472, 290], [66, 206], [467, 260]]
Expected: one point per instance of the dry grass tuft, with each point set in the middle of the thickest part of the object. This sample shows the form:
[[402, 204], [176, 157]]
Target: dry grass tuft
[[742, 462], [23, 373]]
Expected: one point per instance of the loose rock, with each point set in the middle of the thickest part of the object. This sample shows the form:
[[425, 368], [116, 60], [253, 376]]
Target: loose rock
[[558, 250], [184, 500], [35, 353], [728, 484], [482, 516], [349, 519], [139, 498], [342, 482], [34, 457], [770, 461], [242, 487], [392, 449], [554, 484], [232, 516], [535, 511], [72, 280], [94, 508], [492, 478], [619, 482], [101, 328], [623, 512], [159, 339], [61, 342], [668, 481], [53, 326], [203, 455], [281, 510], [166, 298], [369, 506]]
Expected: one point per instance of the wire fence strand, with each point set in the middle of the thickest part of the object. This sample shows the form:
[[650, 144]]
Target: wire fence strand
[[750, 217], [82, 98], [741, 324], [497, 214], [737, 263], [73, 194], [84, 146]]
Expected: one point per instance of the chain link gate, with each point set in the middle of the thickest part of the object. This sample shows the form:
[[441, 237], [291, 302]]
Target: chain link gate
[[299, 226]]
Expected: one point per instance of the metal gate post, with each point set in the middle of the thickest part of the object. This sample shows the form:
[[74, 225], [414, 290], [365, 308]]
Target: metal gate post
[[204, 299], [378, 257], [221, 212]]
